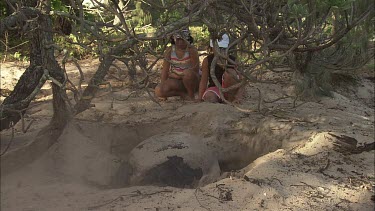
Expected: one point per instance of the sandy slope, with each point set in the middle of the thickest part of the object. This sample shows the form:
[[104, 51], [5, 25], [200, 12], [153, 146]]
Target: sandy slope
[[284, 160]]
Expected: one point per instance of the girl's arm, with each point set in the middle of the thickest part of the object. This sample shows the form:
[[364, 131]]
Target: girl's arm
[[204, 78], [166, 65], [194, 58]]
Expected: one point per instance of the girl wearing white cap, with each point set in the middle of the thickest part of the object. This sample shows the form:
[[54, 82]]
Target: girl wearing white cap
[[179, 75], [225, 72]]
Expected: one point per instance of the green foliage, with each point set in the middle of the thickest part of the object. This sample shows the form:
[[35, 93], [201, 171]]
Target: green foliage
[[318, 75], [170, 16], [315, 82], [75, 50], [201, 36], [334, 4], [340, 4], [370, 66], [335, 66], [298, 10], [3, 11], [163, 16], [16, 56], [343, 80], [139, 16], [58, 5]]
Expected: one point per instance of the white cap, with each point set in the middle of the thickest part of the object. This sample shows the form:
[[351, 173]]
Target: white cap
[[223, 43]]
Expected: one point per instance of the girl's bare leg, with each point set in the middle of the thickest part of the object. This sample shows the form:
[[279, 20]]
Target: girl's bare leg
[[191, 82]]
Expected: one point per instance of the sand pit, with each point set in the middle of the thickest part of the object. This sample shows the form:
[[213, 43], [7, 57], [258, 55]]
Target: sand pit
[[284, 160]]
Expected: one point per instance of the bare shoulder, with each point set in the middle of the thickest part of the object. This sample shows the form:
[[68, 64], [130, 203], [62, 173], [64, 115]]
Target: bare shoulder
[[205, 64], [193, 49], [205, 60], [193, 52], [167, 52]]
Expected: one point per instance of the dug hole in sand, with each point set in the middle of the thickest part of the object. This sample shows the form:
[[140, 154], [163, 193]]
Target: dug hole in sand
[[125, 157]]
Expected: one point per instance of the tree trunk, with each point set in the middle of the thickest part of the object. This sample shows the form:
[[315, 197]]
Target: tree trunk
[[41, 58], [99, 75], [25, 85]]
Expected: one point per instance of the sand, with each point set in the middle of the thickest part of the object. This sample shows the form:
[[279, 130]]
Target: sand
[[282, 158]]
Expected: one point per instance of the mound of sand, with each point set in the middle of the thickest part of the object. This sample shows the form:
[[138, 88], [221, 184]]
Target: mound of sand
[[283, 158]]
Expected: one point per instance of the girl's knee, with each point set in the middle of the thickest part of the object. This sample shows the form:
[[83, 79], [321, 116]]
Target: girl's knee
[[230, 76], [161, 90], [158, 91], [190, 75], [211, 97]]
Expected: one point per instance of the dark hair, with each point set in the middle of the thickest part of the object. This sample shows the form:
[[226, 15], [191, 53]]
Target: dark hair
[[171, 40], [191, 39]]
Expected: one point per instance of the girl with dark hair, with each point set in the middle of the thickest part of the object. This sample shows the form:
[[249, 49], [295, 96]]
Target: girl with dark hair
[[179, 75], [225, 72]]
